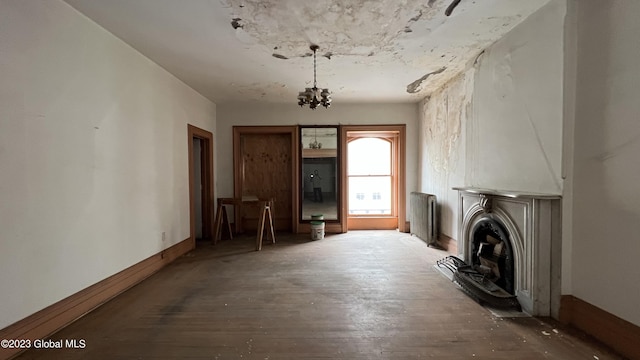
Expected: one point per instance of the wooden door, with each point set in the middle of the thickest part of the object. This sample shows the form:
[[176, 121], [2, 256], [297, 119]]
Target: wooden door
[[266, 161]]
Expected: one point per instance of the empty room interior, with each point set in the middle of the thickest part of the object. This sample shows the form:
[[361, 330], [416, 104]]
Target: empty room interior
[[319, 179]]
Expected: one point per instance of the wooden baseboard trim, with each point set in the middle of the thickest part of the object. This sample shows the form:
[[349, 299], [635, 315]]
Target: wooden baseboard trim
[[621, 335], [54, 317], [447, 243]]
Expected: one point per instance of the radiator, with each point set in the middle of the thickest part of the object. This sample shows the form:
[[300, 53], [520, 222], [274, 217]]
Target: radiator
[[423, 218]]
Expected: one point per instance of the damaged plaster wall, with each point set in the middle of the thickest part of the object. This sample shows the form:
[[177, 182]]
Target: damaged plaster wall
[[499, 125], [442, 146], [606, 196]]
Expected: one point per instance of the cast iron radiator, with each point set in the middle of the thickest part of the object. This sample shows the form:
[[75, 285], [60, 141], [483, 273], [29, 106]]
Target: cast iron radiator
[[422, 217]]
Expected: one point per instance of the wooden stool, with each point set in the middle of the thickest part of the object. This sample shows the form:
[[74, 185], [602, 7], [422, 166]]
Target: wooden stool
[[223, 218], [266, 207]]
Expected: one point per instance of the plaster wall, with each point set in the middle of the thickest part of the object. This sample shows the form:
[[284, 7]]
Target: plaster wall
[[93, 155], [606, 196], [443, 117], [514, 139], [265, 114], [499, 124]]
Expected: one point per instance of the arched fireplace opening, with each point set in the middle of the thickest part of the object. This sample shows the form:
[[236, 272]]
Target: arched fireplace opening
[[492, 253], [488, 274]]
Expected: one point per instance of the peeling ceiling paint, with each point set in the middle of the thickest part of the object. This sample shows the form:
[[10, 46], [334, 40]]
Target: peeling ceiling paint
[[347, 28], [258, 50], [415, 86]]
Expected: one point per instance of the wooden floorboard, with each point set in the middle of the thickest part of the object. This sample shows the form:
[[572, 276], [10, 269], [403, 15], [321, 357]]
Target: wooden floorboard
[[361, 295]]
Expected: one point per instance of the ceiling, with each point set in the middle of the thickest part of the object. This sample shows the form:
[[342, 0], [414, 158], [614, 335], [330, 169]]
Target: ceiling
[[258, 50]]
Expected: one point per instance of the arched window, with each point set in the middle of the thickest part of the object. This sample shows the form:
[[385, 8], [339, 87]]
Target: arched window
[[370, 176]]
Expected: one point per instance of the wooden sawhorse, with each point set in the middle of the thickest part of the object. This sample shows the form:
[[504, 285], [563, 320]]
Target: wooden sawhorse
[[264, 218], [266, 207], [223, 217]]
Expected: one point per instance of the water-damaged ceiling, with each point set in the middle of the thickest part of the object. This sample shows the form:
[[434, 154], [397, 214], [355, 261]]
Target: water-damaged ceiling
[[258, 50]]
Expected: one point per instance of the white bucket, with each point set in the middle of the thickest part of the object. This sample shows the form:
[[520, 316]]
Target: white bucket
[[317, 230]]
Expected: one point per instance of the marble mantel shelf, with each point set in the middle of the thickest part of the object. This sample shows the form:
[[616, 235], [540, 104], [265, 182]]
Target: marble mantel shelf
[[507, 193]]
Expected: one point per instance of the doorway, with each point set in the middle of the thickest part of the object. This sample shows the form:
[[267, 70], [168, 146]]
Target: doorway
[[200, 183], [374, 168]]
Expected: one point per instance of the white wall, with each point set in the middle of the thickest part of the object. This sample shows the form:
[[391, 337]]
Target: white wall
[[606, 206], [568, 129], [254, 114], [93, 155], [499, 125], [515, 137]]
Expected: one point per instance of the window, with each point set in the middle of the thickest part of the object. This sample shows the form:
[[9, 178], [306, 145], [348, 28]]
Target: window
[[369, 171], [385, 162]]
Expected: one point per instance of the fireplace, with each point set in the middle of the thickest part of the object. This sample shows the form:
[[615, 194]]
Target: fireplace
[[492, 253], [513, 240]]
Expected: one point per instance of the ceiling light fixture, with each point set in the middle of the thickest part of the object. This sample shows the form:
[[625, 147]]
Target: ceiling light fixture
[[314, 96], [315, 144]]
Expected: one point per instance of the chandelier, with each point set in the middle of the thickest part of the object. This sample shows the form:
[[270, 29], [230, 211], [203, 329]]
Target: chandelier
[[315, 144], [314, 96]]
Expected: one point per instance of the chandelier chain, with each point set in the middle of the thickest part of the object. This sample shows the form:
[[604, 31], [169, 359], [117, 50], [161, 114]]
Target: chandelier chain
[[314, 70], [314, 96]]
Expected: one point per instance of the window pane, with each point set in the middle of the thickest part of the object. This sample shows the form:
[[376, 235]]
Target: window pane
[[370, 195], [369, 156]]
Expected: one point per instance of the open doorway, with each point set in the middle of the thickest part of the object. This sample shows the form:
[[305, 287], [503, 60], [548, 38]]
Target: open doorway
[[374, 168], [200, 184]]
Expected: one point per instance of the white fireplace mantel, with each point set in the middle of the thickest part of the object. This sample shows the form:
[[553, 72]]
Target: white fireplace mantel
[[508, 193], [533, 221]]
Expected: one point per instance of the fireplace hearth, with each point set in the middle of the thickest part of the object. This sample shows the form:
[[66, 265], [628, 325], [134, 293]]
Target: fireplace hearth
[[489, 278], [478, 285]]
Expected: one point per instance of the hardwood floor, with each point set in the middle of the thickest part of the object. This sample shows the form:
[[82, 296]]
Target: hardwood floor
[[361, 295]]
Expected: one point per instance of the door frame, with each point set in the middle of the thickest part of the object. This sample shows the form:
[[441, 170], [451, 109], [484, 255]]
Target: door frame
[[401, 169], [238, 169], [207, 172]]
